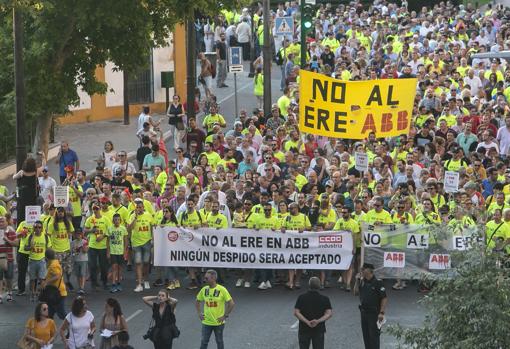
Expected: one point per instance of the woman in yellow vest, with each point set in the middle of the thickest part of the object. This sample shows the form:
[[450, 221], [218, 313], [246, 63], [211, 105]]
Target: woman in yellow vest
[[258, 87]]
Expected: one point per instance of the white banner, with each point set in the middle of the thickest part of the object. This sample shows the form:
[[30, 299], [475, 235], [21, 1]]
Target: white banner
[[252, 249]]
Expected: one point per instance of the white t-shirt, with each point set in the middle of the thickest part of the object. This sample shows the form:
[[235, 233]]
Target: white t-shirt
[[47, 185], [79, 328], [504, 140], [143, 118]]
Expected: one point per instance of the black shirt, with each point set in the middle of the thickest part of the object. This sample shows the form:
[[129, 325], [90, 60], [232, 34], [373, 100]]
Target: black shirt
[[222, 48], [328, 58], [371, 293], [140, 155], [312, 305]]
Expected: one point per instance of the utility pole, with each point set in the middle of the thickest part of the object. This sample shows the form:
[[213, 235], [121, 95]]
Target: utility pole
[[191, 66], [252, 44], [125, 89], [267, 57], [303, 34], [19, 85]]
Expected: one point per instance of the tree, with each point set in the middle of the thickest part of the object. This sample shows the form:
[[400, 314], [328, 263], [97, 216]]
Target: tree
[[65, 40], [469, 309]]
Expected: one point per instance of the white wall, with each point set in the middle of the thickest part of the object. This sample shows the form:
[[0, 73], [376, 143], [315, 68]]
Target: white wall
[[115, 92], [85, 101], [163, 60]]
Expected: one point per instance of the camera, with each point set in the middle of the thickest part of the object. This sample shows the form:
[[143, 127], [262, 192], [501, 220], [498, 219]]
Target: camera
[[149, 334]]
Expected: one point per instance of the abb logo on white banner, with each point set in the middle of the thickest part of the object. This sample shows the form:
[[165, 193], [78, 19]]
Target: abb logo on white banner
[[439, 261], [394, 259]]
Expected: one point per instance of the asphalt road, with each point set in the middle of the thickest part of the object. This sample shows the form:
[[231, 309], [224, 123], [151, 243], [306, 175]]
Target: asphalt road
[[260, 320]]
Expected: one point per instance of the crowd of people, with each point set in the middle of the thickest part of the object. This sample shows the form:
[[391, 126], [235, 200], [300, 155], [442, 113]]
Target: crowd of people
[[262, 172]]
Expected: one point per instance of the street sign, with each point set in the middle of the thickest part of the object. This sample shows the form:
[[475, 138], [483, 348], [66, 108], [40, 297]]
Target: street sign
[[238, 68], [235, 56], [311, 2], [284, 26]]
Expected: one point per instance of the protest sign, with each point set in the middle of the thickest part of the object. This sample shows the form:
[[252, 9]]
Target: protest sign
[[61, 195], [352, 109], [451, 182], [32, 214], [361, 161], [252, 249], [409, 251]]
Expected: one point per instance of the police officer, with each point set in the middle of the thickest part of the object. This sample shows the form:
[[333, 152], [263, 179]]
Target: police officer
[[373, 301]]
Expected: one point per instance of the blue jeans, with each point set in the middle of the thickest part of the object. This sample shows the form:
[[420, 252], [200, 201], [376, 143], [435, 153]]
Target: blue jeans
[[218, 335]]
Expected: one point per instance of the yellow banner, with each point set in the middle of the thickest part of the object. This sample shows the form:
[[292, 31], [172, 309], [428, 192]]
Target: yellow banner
[[352, 109]]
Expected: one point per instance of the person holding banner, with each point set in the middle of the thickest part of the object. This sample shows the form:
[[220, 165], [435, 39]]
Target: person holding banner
[[300, 222], [377, 215], [347, 223], [215, 219], [140, 228], [373, 302], [264, 221], [496, 232], [191, 218], [428, 214]]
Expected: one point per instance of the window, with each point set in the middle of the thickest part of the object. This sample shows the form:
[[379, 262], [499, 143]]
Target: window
[[141, 84]]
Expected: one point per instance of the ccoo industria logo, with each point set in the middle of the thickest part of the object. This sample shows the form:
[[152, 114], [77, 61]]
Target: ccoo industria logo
[[329, 241], [186, 236]]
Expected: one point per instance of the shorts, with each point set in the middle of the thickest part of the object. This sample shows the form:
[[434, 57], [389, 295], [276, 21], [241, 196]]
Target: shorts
[[37, 269], [8, 272], [80, 268], [142, 253], [66, 261], [117, 259]]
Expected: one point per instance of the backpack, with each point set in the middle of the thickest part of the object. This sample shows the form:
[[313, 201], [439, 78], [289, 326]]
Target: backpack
[[213, 70]]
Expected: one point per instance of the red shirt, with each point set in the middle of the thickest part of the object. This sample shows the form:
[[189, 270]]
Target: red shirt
[[5, 247]]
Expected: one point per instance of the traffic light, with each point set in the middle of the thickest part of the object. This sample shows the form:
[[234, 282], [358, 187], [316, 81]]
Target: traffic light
[[307, 16]]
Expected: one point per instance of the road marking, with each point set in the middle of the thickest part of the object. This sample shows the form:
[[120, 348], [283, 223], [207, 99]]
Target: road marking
[[243, 88], [233, 93], [294, 325], [134, 314]]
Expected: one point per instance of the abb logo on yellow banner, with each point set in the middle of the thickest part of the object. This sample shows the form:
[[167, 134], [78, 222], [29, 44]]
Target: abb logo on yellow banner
[[352, 109]]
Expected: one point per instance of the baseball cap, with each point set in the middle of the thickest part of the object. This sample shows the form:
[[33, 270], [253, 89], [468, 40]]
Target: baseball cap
[[330, 183]]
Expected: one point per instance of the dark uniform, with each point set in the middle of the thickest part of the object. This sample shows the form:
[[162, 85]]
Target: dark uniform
[[371, 293]]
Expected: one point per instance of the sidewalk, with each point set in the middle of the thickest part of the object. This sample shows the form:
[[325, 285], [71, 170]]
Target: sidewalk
[[87, 140]]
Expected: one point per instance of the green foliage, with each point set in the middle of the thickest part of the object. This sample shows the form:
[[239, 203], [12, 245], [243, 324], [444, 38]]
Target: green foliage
[[469, 309], [65, 40]]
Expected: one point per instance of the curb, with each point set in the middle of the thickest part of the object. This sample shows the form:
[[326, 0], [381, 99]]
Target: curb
[[52, 154]]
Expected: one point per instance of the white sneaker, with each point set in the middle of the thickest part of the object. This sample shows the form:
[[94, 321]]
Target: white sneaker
[[268, 284], [239, 282], [262, 286], [147, 285], [139, 288], [247, 284]]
